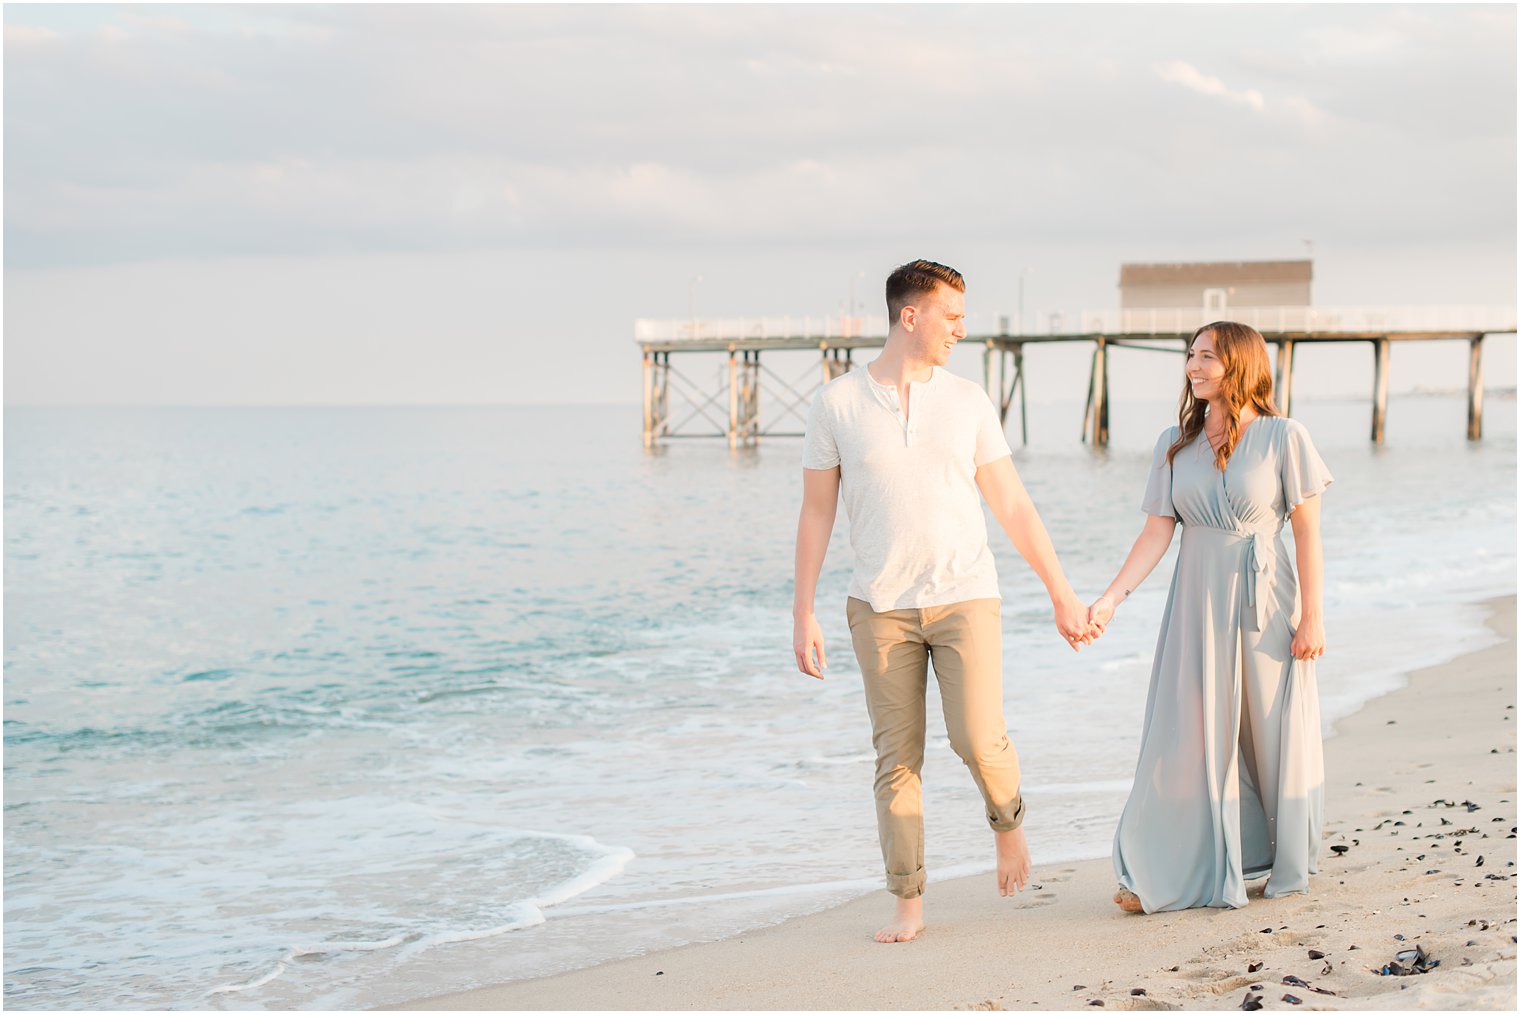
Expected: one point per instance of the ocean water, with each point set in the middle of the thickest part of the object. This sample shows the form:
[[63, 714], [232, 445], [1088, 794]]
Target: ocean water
[[338, 707]]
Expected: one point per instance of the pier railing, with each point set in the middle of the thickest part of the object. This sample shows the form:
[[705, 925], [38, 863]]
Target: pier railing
[[1169, 320], [836, 326], [1289, 319]]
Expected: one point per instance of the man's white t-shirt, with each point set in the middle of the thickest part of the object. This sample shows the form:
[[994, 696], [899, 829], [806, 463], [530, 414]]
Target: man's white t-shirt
[[909, 485]]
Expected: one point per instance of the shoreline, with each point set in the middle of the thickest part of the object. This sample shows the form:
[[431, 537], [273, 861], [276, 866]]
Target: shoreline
[[1062, 943]]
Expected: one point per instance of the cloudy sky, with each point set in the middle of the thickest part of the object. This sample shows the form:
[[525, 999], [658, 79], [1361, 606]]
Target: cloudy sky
[[413, 204]]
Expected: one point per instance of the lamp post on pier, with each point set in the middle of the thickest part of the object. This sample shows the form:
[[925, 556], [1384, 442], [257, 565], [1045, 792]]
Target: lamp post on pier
[[1022, 272]]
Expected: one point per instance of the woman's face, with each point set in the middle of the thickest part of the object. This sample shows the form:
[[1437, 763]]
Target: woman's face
[[1204, 370]]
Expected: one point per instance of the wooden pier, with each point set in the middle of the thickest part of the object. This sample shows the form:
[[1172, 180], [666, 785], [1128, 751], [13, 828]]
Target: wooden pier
[[1004, 369]]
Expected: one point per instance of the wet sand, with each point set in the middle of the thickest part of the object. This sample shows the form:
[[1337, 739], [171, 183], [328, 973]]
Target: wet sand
[[1421, 789]]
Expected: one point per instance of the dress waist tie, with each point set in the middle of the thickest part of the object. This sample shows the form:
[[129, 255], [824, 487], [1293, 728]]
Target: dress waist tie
[[1259, 562]]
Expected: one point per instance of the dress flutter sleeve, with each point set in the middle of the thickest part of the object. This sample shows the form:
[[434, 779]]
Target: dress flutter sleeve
[[1158, 487], [1303, 471]]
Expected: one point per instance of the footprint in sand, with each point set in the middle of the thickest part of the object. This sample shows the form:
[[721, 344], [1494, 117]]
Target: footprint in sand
[[1038, 895]]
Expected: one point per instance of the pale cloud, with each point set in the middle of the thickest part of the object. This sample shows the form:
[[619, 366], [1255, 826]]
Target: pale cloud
[[27, 35], [1343, 45], [155, 23], [597, 157], [1191, 78], [1294, 109], [1305, 112]]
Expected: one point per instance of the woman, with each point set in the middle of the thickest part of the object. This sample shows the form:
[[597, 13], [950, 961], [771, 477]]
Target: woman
[[1229, 785]]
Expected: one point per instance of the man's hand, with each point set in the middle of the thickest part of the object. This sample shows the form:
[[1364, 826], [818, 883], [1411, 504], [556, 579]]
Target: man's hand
[[806, 639], [1071, 621], [1101, 612]]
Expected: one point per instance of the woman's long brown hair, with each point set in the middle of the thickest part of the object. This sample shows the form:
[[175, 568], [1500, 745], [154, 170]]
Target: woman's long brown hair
[[1247, 380]]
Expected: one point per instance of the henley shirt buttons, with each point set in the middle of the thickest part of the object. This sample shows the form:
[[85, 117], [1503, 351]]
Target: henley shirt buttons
[[844, 429]]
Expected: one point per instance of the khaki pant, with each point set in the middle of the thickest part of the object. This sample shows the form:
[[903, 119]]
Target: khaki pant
[[965, 641]]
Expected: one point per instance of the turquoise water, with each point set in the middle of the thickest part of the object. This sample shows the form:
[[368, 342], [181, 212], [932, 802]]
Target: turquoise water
[[316, 707]]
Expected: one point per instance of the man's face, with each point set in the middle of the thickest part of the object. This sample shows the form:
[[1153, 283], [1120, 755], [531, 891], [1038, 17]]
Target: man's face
[[939, 323]]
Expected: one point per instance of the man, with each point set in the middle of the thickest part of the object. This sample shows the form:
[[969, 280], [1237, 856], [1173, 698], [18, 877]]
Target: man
[[909, 445]]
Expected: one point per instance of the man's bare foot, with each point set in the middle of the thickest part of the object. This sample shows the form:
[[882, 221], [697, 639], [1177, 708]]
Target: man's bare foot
[[908, 923], [1012, 861], [1127, 900]]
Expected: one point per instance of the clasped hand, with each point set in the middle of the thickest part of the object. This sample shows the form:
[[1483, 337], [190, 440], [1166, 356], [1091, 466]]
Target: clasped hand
[[1100, 612], [1074, 621]]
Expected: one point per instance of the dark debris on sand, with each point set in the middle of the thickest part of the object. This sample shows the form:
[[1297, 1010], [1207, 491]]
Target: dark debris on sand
[[1411, 962], [1293, 980]]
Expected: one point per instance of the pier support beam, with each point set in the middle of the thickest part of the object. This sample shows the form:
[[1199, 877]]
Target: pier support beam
[[1018, 376], [836, 363], [656, 396], [1285, 377], [733, 397], [1095, 419], [648, 400], [1475, 389], [1380, 390], [743, 398], [1021, 389], [1001, 391]]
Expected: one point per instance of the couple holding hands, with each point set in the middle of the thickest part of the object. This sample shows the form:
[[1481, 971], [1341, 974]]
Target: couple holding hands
[[1229, 783]]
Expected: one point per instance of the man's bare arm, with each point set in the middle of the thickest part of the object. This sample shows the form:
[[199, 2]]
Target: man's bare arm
[[1015, 512], [820, 504]]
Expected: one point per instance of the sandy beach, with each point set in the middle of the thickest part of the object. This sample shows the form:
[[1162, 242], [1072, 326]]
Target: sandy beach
[[1419, 852]]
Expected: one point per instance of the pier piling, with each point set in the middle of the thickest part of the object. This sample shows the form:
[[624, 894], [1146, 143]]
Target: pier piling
[[1097, 396], [1380, 389], [1475, 389], [1285, 376]]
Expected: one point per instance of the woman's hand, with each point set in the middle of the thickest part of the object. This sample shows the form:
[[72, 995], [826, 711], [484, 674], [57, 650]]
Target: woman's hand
[[1071, 620], [1100, 612], [1309, 642]]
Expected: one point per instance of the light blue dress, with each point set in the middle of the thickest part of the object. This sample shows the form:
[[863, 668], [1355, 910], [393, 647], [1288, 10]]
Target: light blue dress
[[1230, 781]]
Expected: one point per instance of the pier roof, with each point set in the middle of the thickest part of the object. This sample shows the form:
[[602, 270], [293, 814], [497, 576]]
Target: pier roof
[[1216, 272]]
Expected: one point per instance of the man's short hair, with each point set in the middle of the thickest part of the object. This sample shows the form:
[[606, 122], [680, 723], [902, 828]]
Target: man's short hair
[[917, 279]]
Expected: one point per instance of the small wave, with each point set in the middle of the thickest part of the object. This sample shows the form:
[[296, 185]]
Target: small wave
[[428, 696], [1463, 577], [531, 912], [1125, 662], [307, 951], [209, 675], [826, 887], [607, 862], [531, 916], [340, 946], [238, 987], [604, 869], [851, 758], [1079, 788]]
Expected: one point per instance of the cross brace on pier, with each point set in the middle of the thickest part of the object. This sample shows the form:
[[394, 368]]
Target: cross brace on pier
[[741, 385]]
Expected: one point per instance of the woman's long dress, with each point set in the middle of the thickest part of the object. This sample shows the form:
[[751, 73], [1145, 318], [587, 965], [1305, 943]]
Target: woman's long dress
[[1230, 782]]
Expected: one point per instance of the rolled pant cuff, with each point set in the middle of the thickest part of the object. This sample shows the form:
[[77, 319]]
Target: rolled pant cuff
[[1009, 817], [906, 885]]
